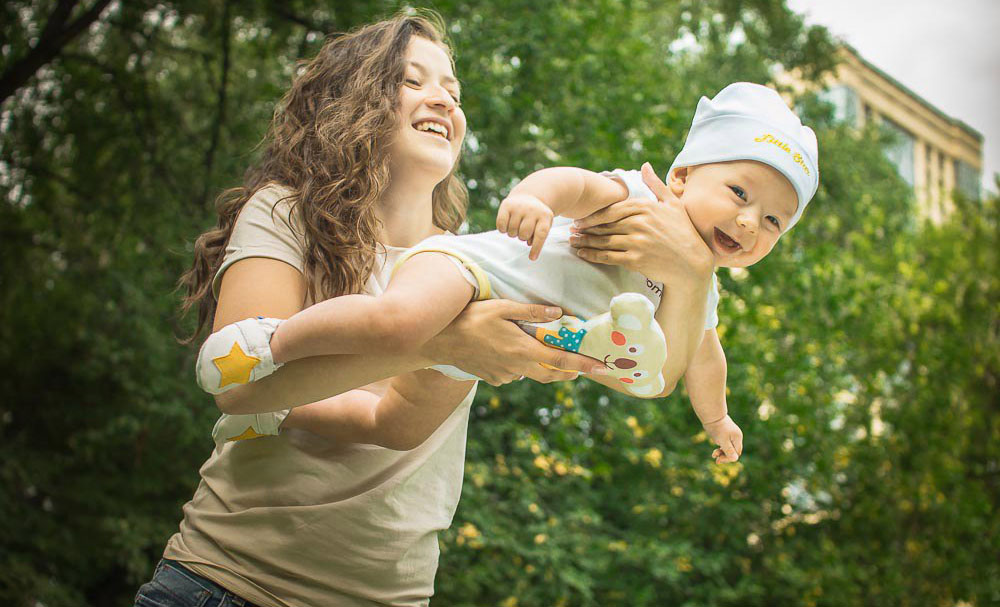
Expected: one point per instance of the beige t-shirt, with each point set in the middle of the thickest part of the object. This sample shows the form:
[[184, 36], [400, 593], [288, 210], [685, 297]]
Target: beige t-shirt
[[296, 520]]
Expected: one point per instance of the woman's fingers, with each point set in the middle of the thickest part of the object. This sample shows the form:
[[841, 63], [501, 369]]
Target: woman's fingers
[[653, 182], [612, 212], [514, 310], [614, 242], [613, 258]]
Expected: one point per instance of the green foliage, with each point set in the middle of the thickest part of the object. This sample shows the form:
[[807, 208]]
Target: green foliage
[[863, 352]]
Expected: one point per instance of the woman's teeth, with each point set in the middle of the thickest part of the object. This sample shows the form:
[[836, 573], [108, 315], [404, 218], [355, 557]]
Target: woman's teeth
[[432, 127]]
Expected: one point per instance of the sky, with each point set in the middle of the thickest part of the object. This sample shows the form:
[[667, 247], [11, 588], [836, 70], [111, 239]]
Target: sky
[[946, 52]]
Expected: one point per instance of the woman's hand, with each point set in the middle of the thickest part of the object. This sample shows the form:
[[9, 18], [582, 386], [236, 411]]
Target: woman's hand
[[483, 341], [654, 238]]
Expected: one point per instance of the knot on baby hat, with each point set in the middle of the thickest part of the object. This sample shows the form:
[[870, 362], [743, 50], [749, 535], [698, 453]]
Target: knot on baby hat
[[747, 121]]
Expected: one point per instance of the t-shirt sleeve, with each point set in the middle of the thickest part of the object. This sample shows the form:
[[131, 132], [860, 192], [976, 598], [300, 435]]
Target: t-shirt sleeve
[[632, 180], [712, 305], [265, 228]]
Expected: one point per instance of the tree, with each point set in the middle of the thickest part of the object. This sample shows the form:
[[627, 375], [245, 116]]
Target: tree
[[863, 352]]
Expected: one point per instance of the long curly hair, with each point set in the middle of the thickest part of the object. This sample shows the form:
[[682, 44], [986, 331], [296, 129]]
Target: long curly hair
[[328, 144]]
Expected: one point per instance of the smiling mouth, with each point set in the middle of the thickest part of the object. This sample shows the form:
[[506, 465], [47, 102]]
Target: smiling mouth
[[725, 242], [432, 128]]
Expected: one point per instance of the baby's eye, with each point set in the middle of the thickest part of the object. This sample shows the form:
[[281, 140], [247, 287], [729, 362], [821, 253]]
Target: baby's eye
[[774, 220], [738, 191], [636, 349]]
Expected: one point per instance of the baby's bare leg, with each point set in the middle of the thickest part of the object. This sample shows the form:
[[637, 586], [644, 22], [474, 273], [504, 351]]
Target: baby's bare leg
[[426, 293]]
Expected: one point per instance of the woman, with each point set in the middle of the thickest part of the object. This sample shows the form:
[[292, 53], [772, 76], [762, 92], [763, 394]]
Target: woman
[[346, 183]]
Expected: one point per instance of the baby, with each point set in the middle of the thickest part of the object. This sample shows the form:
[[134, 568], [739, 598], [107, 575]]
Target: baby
[[745, 175]]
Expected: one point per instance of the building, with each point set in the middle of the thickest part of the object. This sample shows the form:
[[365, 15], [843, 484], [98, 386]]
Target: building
[[935, 153]]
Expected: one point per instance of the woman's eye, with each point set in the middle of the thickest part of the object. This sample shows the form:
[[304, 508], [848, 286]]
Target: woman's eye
[[738, 191], [412, 82], [774, 220]]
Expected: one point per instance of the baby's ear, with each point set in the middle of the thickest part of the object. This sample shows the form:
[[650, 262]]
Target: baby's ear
[[677, 180]]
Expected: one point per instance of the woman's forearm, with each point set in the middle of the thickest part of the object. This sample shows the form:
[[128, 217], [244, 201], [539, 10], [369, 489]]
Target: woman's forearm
[[316, 378]]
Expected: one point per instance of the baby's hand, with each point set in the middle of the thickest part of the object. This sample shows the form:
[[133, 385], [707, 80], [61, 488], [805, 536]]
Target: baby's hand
[[525, 217], [729, 437]]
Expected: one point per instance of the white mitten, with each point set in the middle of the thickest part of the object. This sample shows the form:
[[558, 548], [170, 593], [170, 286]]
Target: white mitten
[[237, 354], [242, 427]]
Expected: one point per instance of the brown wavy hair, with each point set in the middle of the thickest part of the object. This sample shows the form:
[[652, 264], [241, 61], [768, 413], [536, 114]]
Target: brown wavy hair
[[328, 143]]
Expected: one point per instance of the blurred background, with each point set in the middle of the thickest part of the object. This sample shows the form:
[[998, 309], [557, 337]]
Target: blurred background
[[864, 353]]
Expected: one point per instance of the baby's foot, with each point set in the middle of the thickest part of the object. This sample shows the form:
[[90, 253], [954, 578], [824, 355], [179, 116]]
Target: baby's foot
[[237, 354], [231, 428]]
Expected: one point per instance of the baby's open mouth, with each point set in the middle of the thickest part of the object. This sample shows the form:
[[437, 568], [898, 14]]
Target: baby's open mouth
[[432, 128], [726, 242]]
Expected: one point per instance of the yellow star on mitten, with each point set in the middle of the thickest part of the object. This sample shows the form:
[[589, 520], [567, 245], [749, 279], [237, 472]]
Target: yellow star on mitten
[[235, 367], [248, 433]]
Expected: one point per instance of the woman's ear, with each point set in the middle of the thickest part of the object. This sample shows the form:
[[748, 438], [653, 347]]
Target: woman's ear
[[677, 180]]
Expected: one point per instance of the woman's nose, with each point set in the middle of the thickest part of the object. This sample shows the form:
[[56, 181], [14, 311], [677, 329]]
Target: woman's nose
[[438, 97]]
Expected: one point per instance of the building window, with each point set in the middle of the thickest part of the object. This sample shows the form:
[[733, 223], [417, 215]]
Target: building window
[[899, 150], [846, 103], [967, 180]]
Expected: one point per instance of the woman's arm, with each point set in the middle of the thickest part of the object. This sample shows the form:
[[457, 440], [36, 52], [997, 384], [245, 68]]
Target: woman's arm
[[266, 287]]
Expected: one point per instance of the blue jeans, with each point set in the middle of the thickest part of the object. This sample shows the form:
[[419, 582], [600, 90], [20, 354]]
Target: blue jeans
[[174, 586]]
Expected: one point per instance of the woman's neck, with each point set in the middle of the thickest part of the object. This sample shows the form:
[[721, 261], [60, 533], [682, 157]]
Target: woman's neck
[[407, 215]]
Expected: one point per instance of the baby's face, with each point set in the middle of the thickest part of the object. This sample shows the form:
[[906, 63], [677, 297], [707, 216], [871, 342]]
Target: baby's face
[[739, 208]]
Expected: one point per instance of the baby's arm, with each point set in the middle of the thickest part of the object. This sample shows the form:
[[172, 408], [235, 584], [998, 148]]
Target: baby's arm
[[706, 385], [400, 417], [528, 210]]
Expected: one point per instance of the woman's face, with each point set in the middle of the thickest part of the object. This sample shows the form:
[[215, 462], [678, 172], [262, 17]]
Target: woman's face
[[431, 122]]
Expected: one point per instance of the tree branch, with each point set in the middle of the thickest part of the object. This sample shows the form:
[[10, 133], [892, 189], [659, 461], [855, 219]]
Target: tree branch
[[220, 116], [56, 35]]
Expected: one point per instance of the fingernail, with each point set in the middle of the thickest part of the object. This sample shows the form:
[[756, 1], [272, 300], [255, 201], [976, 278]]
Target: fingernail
[[576, 223], [553, 312], [599, 371]]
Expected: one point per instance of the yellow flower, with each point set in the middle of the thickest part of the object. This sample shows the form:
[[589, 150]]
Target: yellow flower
[[533, 508], [468, 530], [541, 538], [683, 564], [618, 546], [510, 601], [494, 402], [653, 457], [560, 468], [542, 463]]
